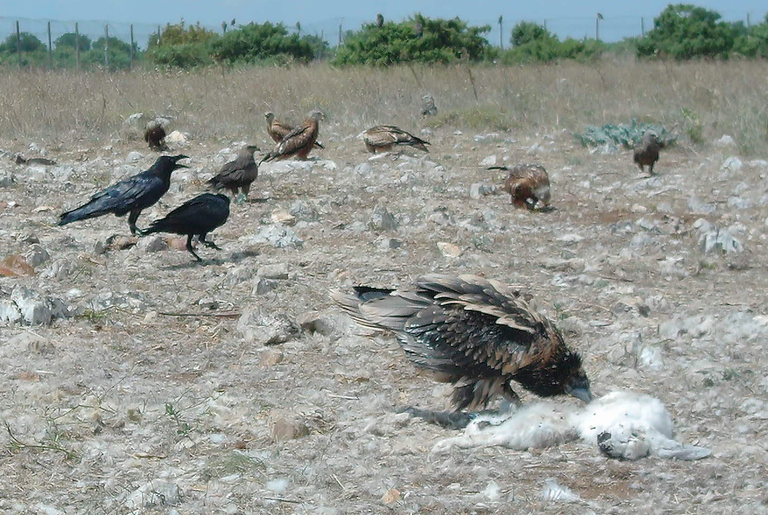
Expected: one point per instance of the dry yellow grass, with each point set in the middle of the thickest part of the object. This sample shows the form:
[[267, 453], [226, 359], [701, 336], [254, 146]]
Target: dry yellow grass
[[696, 99]]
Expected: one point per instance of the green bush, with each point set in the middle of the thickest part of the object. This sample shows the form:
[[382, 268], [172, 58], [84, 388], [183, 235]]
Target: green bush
[[418, 39], [534, 43], [684, 31], [626, 136], [256, 42], [71, 40]]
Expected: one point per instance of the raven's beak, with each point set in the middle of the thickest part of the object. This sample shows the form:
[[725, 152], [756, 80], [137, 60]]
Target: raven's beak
[[177, 165], [583, 394]]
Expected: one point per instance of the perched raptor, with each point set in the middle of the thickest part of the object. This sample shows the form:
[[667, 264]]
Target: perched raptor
[[382, 138], [428, 108], [475, 333], [197, 216], [277, 130], [527, 185], [299, 142], [154, 135], [647, 151], [238, 174], [131, 195]]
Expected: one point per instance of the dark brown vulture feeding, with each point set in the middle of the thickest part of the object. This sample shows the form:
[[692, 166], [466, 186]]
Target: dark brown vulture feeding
[[526, 184], [277, 130], [475, 333], [647, 151], [383, 138], [299, 142], [238, 174], [154, 135]]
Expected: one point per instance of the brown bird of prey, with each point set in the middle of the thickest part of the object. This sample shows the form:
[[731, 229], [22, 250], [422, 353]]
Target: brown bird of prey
[[383, 137], [154, 135], [475, 333], [647, 151], [526, 184], [277, 130], [299, 142], [238, 174]]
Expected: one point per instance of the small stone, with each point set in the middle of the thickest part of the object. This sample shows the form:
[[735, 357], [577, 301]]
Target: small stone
[[314, 322], [732, 164], [120, 242], [382, 220], [449, 250], [488, 161], [283, 217], [302, 210], [637, 208], [276, 235], [16, 266], [478, 190], [133, 157], [274, 271], [390, 243], [696, 205], [262, 285], [36, 256], [390, 496], [285, 425], [134, 119], [176, 137], [266, 329], [153, 244], [724, 141], [570, 239], [270, 358]]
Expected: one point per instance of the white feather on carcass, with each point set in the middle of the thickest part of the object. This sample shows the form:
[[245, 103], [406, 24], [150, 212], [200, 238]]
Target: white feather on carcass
[[624, 425]]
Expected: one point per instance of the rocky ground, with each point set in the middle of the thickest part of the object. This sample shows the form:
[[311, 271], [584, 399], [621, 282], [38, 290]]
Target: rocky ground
[[138, 381]]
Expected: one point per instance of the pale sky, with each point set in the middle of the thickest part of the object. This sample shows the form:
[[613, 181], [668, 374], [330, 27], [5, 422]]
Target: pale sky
[[564, 17]]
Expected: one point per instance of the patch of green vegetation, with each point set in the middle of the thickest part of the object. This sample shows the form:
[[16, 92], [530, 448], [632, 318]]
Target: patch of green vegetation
[[693, 126], [234, 462], [481, 117], [626, 136]]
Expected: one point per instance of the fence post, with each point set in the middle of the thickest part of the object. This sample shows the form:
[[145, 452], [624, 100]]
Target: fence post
[[545, 24], [747, 20], [320, 48], [597, 26], [342, 21], [18, 42], [77, 47], [131, 46], [158, 35], [106, 46], [642, 25], [50, 48], [501, 32]]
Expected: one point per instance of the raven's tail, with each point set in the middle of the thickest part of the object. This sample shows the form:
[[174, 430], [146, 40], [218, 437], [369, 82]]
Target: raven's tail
[[90, 210]]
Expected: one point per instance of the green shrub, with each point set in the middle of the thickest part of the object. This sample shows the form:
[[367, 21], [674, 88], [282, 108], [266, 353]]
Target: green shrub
[[256, 42], [418, 39], [626, 136]]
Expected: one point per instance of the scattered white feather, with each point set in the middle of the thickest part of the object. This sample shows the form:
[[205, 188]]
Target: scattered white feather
[[553, 491], [621, 424]]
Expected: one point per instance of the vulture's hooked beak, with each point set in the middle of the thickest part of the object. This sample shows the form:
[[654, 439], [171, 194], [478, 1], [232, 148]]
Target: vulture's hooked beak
[[582, 393]]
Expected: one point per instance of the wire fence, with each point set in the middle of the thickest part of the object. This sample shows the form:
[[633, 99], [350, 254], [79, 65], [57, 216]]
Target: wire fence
[[332, 30]]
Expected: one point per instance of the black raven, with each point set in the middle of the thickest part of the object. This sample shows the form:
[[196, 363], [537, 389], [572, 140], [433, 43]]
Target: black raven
[[131, 195], [197, 216]]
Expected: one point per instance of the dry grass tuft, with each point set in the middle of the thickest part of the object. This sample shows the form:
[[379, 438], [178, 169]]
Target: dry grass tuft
[[700, 100]]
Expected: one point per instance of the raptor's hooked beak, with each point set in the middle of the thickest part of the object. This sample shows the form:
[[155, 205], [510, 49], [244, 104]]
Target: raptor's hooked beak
[[582, 393]]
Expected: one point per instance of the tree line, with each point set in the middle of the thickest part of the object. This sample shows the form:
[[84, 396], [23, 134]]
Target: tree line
[[681, 31]]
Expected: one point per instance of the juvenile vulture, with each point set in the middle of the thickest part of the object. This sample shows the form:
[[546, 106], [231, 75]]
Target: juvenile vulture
[[277, 130], [647, 151], [526, 184], [475, 333], [131, 195], [238, 174], [299, 142], [383, 137], [154, 135], [429, 108], [197, 216]]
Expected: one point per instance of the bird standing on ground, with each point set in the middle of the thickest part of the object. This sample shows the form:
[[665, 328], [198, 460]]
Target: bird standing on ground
[[527, 185], [299, 142], [429, 108], [277, 130], [474, 333], [383, 138], [238, 174], [195, 217], [647, 151], [131, 195], [154, 135]]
